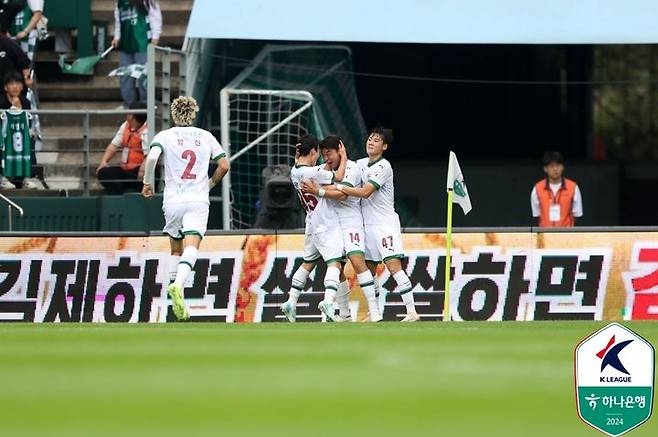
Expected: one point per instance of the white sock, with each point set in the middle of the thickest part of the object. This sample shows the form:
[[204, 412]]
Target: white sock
[[404, 285], [380, 294], [343, 299], [331, 283], [185, 265], [298, 284], [173, 267], [367, 283]]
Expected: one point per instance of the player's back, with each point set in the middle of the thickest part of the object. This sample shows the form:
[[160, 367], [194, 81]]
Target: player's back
[[320, 214], [187, 155]]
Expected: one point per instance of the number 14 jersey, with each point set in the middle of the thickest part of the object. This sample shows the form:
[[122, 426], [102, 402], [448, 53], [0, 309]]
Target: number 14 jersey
[[187, 154]]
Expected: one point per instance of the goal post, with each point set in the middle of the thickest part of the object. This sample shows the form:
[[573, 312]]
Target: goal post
[[259, 128]]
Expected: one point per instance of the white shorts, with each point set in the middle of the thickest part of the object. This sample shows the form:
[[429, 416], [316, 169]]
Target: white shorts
[[383, 243], [183, 219], [354, 239], [326, 245]]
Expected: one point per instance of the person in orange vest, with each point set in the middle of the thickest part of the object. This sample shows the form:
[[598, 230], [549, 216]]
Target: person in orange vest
[[131, 141], [555, 199]]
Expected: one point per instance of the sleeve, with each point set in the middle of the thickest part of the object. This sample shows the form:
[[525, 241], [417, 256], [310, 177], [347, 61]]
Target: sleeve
[[577, 206], [35, 5], [117, 22], [22, 61], [534, 203], [159, 141], [119, 136], [155, 20], [380, 174], [351, 175], [216, 150], [324, 177]]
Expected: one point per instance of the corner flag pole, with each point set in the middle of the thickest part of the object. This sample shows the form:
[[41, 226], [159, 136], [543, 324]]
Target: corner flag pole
[[446, 300]]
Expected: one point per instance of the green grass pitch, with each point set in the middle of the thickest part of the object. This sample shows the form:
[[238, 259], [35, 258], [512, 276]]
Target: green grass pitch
[[389, 379]]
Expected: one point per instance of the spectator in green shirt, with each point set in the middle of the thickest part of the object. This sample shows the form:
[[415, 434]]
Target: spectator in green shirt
[[136, 23]]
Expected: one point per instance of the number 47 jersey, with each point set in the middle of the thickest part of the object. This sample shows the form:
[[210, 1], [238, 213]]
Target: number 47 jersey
[[187, 154]]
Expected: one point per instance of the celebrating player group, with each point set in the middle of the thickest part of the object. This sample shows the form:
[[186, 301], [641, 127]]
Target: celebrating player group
[[359, 198], [349, 207]]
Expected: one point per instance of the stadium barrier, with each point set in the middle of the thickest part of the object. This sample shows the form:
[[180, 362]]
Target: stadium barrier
[[498, 275]]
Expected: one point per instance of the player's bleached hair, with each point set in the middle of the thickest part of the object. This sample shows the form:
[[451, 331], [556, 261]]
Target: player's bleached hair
[[184, 110]]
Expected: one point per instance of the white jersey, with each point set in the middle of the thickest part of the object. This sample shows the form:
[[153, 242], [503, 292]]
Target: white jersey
[[349, 210], [379, 209], [187, 154], [320, 212]]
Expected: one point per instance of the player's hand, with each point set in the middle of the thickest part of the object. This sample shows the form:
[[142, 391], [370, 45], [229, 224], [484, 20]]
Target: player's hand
[[342, 151], [147, 191], [21, 35], [115, 42], [310, 187], [155, 41]]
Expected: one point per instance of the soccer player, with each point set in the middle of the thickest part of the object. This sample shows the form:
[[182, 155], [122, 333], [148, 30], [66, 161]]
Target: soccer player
[[322, 237], [351, 224], [187, 153], [381, 222]]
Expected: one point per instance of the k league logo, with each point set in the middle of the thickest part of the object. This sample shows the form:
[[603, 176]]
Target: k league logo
[[614, 370]]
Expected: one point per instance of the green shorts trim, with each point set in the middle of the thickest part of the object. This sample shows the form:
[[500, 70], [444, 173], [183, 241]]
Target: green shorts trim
[[376, 261], [354, 252], [400, 256], [333, 260], [186, 262], [314, 260], [179, 238], [197, 233]]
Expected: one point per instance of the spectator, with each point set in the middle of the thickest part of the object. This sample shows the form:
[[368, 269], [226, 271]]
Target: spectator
[[136, 23], [24, 26], [13, 97], [556, 200], [8, 11], [12, 58], [131, 141]]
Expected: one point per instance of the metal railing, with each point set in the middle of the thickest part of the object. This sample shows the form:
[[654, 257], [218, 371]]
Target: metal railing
[[10, 205], [86, 137]]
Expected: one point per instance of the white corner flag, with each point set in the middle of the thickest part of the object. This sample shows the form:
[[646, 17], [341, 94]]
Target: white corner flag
[[457, 185]]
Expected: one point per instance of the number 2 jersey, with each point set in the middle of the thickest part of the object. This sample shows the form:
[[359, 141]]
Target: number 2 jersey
[[320, 212], [187, 154]]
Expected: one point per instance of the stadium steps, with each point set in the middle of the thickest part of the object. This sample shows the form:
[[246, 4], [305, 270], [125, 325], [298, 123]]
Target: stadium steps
[[62, 134]]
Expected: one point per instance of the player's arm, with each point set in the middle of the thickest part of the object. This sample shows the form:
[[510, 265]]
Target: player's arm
[[223, 166], [149, 170], [328, 191], [340, 173], [361, 192]]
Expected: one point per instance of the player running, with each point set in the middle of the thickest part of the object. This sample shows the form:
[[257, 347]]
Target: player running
[[322, 237], [381, 222], [187, 153], [351, 224]]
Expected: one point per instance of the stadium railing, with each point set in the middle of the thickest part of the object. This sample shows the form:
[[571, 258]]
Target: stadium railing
[[11, 204], [86, 137]]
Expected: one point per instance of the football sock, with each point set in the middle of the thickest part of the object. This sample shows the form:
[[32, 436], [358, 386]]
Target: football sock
[[187, 260], [404, 285], [331, 282], [343, 299], [367, 283], [298, 284]]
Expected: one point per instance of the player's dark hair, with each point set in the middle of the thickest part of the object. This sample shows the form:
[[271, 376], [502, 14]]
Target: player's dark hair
[[552, 157], [141, 118], [12, 76], [384, 133], [143, 5], [331, 142], [306, 143]]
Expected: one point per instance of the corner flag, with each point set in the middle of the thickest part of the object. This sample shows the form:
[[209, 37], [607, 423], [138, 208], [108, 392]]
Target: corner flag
[[457, 193], [456, 184]]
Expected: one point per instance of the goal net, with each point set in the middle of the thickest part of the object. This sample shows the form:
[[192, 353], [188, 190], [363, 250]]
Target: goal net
[[286, 92]]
